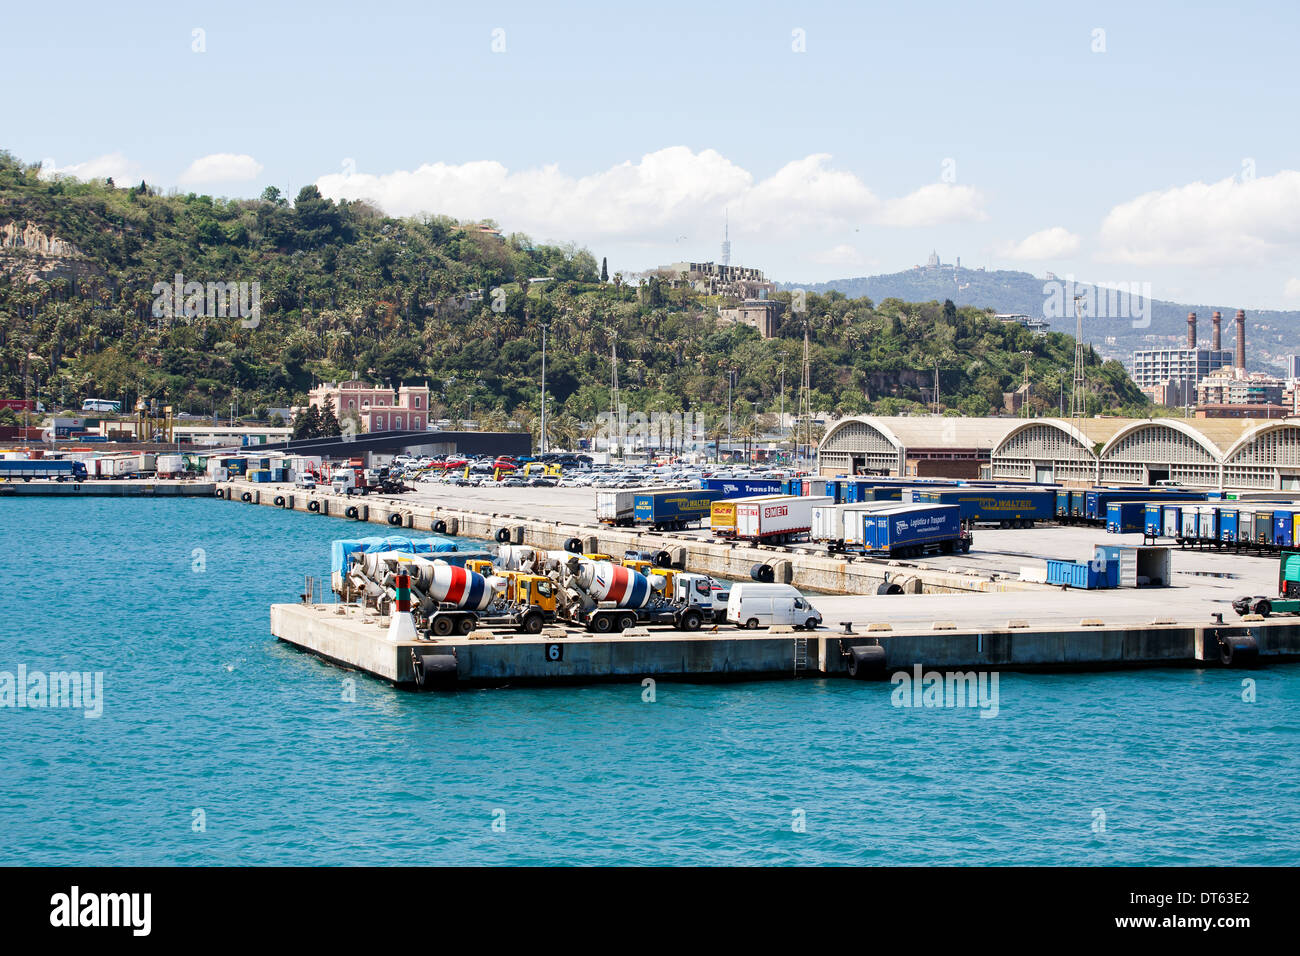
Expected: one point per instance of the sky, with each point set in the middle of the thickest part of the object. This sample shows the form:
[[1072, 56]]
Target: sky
[[1111, 142]]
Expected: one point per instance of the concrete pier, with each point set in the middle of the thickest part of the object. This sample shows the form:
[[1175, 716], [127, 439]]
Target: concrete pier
[[120, 488], [837, 574], [356, 639]]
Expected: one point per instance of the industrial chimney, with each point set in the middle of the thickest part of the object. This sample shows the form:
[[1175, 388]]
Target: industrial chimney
[[1191, 330], [1241, 340], [1218, 330]]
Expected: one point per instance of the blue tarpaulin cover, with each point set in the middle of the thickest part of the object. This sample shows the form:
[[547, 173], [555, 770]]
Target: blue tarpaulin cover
[[339, 550]]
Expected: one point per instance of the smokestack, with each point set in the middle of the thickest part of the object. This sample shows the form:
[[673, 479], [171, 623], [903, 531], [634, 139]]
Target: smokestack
[[1191, 330], [1241, 340], [1218, 330]]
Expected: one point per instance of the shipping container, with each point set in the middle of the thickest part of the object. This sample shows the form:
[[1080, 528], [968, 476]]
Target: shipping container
[[673, 510], [1083, 574], [1191, 522], [1062, 503], [907, 529], [777, 519]]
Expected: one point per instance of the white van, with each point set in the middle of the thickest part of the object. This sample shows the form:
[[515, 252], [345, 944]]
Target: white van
[[753, 605]]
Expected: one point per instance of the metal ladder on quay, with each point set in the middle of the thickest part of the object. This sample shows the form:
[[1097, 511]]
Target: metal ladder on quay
[[800, 654]]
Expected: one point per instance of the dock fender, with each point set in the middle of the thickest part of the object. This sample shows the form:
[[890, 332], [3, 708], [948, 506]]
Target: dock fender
[[246, 496], [352, 512], [1238, 650], [221, 492], [432, 669], [502, 536], [662, 559], [438, 527], [395, 519], [762, 573], [573, 546], [313, 506], [279, 501], [867, 662]]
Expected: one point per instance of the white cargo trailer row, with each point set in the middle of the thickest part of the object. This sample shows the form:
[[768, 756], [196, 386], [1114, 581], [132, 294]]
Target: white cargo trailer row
[[777, 519]]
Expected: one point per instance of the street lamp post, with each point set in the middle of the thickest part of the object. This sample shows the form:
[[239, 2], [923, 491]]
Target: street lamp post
[[541, 441], [731, 374]]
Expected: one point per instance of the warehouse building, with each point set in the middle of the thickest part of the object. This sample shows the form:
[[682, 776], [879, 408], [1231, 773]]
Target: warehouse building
[[1203, 453]]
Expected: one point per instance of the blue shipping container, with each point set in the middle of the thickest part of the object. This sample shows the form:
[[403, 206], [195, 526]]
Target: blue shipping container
[[1083, 574], [1227, 524]]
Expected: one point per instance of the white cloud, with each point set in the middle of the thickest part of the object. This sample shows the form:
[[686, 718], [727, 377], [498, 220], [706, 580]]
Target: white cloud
[[934, 205], [842, 255], [1292, 290], [113, 166], [1230, 221], [221, 168], [671, 191], [1053, 243]]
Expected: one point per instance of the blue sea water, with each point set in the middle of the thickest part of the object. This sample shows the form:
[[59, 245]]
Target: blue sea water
[[207, 717]]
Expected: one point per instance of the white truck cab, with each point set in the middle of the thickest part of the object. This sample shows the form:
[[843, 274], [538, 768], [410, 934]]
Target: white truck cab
[[703, 592], [754, 605]]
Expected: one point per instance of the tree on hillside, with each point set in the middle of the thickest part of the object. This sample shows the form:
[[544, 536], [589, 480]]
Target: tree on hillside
[[604, 270], [329, 422]]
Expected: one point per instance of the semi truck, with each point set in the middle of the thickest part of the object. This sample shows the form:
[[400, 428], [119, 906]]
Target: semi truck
[[617, 507], [674, 510], [909, 530], [1287, 600], [722, 516], [829, 521], [22, 469]]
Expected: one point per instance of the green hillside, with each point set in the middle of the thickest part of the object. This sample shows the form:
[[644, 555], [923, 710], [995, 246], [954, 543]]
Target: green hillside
[[344, 289]]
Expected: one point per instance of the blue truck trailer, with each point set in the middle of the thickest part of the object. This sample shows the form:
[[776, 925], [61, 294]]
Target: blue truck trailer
[[673, 510], [24, 469], [743, 487], [1123, 517], [1009, 507], [908, 530]]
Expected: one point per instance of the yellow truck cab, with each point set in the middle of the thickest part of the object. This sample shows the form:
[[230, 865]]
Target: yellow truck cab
[[597, 556], [479, 565], [532, 590]]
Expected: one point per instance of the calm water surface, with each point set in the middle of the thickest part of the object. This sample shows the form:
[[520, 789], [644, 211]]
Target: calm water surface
[[206, 716]]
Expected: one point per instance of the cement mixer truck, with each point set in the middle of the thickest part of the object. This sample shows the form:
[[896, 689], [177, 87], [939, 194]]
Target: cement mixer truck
[[605, 597], [452, 600]]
